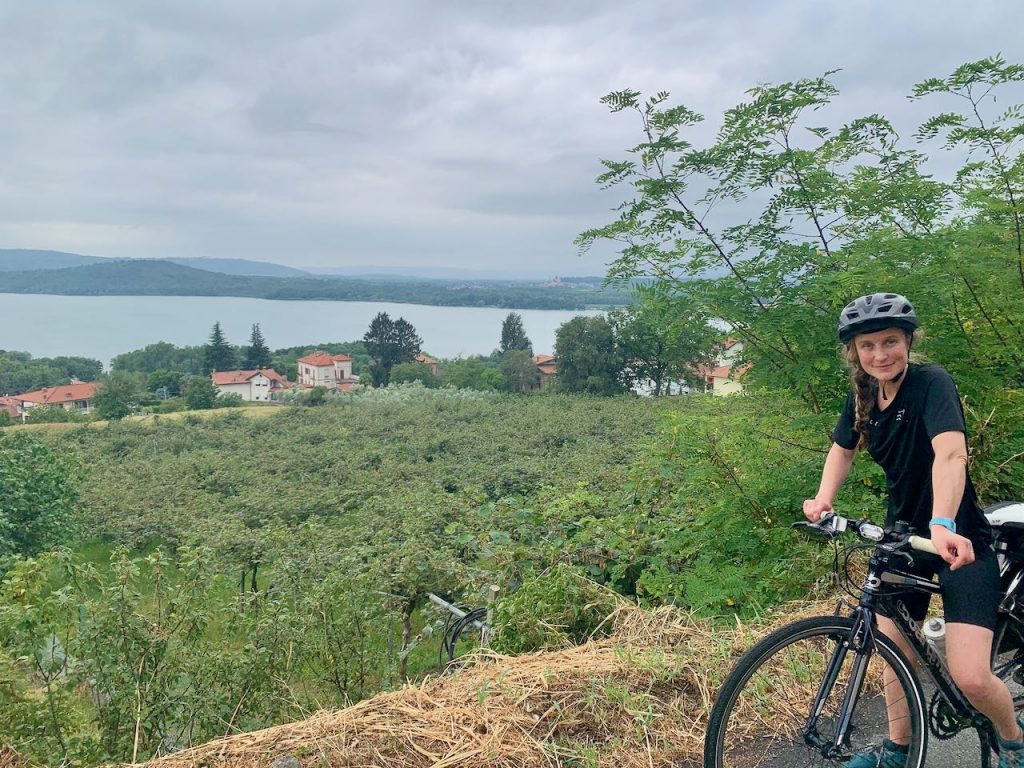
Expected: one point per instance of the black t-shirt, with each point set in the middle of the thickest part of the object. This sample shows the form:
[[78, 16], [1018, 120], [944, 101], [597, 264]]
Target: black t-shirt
[[900, 440]]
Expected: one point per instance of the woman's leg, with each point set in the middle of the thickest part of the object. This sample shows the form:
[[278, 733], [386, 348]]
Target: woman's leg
[[969, 651], [895, 700]]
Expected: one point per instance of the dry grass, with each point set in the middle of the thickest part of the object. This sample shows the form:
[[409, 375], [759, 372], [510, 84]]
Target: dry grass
[[9, 758], [637, 699], [249, 411]]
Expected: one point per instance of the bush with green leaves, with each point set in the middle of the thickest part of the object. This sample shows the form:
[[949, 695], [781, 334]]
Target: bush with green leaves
[[552, 609], [38, 496], [403, 373], [145, 655], [54, 414]]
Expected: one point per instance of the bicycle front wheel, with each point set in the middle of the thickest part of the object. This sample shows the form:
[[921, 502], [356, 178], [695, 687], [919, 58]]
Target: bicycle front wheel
[[765, 713]]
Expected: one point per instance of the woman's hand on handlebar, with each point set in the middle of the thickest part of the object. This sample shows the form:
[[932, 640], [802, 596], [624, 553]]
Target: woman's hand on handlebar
[[815, 508], [955, 549]]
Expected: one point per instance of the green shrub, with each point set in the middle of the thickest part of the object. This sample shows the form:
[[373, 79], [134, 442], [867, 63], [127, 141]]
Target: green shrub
[[556, 608], [172, 405]]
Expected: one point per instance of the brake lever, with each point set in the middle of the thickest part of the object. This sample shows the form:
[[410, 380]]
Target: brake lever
[[829, 524]]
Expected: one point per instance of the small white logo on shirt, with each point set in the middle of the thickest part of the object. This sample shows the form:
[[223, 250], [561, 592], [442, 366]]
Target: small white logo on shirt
[[899, 414]]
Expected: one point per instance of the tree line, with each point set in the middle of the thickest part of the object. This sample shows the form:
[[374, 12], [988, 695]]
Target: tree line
[[657, 340]]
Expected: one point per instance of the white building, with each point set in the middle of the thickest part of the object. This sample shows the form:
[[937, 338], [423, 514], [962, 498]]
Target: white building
[[724, 378], [321, 369], [259, 386]]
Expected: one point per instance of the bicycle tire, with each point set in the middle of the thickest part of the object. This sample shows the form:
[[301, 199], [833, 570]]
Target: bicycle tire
[[767, 697]]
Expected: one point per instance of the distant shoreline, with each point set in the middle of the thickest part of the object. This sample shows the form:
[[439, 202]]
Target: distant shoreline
[[567, 307], [163, 278]]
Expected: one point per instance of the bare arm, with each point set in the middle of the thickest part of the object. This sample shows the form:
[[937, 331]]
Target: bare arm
[[949, 477], [837, 467], [949, 473]]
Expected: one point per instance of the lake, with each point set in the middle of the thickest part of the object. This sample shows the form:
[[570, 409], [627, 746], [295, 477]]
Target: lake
[[101, 327]]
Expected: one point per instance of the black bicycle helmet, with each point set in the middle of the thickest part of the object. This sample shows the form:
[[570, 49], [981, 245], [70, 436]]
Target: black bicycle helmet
[[876, 312]]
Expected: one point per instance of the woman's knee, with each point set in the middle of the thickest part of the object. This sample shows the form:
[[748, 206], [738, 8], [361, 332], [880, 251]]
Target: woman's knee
[[968, 652]]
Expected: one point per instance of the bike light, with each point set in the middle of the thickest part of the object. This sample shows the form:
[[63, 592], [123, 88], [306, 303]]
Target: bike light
[[872, 532]]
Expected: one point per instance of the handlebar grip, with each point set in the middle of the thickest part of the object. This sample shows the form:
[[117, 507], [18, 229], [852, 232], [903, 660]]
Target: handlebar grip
[[923, 545]]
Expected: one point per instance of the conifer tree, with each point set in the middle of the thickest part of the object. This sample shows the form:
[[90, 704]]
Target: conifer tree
[[257, 354], [513, 336], [218, 354], [390, 342]]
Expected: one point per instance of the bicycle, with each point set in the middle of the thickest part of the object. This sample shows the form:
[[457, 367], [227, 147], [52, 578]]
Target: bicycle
[[811, 692]]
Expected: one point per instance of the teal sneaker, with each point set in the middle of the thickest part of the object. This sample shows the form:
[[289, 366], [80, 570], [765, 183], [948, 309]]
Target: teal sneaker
[[886, 755], [1011, 753]]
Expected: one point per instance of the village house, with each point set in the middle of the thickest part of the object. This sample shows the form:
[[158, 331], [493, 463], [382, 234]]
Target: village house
[[725, 377], [547, 369], [76, 396], [427, 360], [321, 369], [259, 386], [9, 406]]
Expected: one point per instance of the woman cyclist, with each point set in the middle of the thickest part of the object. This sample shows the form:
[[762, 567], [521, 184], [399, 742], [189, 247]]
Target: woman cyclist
[[909, 419]]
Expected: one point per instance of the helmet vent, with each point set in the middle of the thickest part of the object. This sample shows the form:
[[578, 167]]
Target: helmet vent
[[875, 312]]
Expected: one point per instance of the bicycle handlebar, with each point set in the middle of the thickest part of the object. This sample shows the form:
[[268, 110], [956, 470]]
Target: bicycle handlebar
[[923, 545], [832, 525]]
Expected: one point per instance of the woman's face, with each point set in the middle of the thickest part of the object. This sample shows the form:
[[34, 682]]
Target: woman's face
[[883, 354]]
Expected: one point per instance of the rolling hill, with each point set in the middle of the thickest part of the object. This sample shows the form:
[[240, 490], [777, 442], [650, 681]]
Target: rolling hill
[[16, 260], [146, 277]]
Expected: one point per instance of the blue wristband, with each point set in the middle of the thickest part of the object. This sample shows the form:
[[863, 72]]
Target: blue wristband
[[945, 522]]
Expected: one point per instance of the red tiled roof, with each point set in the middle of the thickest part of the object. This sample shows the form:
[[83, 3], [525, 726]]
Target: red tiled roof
[[224, 378], [321, 359], [422, 358], [273, 375], [10, 405], [67, 393], [723, 371], [231, 377], [539, 359]]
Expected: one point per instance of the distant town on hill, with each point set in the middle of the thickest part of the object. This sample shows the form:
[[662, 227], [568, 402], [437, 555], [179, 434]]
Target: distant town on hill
[[55, 272]]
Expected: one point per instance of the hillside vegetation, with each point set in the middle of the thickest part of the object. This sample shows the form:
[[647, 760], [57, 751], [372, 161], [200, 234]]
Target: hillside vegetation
[[254, 570]]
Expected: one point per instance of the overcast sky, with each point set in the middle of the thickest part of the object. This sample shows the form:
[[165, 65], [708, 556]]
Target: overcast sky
[[444, 134]]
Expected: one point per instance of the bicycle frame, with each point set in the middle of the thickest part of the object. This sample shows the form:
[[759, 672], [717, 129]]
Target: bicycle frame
[[877, 592]]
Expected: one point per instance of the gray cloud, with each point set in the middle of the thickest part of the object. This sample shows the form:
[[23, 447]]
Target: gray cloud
[[455, 133]]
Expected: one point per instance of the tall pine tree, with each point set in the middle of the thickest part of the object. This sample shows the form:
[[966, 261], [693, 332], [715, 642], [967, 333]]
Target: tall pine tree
[[218, 354], [257, 354], [513, 336]]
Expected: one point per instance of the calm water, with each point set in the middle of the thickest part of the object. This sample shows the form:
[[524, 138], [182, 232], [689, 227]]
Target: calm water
[[101, 327]]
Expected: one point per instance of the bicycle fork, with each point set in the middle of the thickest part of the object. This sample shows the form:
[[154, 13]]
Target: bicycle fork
[[861, 642]]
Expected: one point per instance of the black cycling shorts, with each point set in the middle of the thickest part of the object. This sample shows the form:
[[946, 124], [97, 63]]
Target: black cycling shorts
[[970, 594]]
